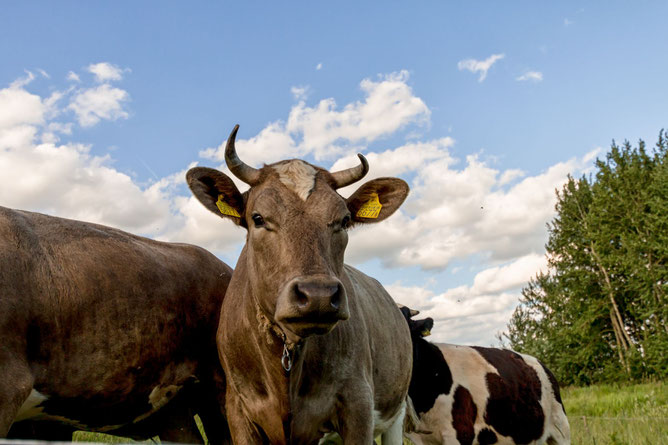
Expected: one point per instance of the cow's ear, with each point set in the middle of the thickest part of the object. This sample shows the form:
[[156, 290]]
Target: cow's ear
[[377, 199], [217, 192], [426, 326]]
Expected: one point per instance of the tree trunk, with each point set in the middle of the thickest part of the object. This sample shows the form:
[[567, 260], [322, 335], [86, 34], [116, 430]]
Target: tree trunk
[[620, 342]]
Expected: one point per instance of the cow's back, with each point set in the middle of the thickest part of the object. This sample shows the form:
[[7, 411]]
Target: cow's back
[[111, 325], [494, 396]]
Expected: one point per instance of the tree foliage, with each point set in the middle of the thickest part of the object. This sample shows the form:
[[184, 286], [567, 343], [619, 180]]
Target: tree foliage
[[599, 313]]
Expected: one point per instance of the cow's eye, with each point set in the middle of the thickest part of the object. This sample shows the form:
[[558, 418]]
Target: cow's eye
[[258, 220], [345, 222]]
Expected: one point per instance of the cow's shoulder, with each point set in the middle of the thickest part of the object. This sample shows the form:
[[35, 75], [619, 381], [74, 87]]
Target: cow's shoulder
[[431, 375], [362, 282], [370, 297]]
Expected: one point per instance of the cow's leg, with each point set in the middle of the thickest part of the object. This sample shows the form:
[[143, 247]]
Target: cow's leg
[[210, 407], [357, 416], [395, 433], [16, 382], [177, 422], [241, 429]]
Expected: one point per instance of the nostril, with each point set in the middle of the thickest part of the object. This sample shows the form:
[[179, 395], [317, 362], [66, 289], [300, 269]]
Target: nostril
[[301, 297], [335, 302], [318, 296]]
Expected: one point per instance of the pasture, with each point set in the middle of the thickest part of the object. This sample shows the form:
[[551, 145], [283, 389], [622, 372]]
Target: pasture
[[618, 414]]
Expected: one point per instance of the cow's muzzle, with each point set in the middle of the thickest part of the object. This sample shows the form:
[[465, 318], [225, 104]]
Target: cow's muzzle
[[312, 305]]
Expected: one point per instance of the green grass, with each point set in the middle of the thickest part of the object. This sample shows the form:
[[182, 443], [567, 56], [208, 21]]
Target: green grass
[[613, 414], [85, 436]]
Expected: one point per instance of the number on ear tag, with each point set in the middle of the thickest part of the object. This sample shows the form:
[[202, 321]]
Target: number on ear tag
[[371, 208], [225, 208]]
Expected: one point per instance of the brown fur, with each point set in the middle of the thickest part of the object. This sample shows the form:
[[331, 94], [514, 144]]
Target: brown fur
[[98, 321], [361, 360]]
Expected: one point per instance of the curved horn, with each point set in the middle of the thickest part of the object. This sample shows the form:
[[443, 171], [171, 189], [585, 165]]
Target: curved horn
[[348, 176], [241, 170]]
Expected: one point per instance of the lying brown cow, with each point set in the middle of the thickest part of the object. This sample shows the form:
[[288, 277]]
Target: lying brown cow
[[308, 344], [100, 329], [474, 395]]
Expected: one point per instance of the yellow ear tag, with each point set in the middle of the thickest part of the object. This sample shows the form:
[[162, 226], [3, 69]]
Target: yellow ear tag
[[225, 208], [371, 208]]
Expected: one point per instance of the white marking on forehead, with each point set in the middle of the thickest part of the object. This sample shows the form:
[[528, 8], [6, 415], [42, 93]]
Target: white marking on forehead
[[298, 176], [30, 407]]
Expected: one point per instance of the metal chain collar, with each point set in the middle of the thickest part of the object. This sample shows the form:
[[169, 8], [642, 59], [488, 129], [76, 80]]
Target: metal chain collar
[[286, 360], [271, 327]]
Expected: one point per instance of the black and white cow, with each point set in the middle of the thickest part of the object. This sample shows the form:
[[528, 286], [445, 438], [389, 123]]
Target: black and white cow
[[473, 395]]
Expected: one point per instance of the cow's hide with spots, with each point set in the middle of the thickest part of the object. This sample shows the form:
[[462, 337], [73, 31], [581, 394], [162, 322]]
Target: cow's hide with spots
[[474, 395]]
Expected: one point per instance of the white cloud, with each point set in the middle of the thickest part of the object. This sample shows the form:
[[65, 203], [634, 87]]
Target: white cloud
[[415, 297], [272, 144], [72, 76], [516, 274], [389, 105], [105, 72], [65, 179], [394, 162], [23, 81], [510, 175], [326, 131], [533, 76], [19, 107], [459, 317], [101, 102], [481, 66], [471, 314], [455, 212], [195, 224], [300, 93]]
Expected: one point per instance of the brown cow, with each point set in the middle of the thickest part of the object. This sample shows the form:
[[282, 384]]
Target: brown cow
[[309, 345], [471, 395], [99, 330]]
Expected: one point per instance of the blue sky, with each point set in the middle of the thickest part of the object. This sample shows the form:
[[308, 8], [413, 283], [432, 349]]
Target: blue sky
[[484, 107]]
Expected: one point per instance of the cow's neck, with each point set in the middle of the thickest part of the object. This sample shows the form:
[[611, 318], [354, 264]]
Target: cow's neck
[[256, 371], [274, 333]]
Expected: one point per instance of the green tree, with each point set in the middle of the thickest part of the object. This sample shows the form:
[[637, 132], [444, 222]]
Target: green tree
[[599, 313]]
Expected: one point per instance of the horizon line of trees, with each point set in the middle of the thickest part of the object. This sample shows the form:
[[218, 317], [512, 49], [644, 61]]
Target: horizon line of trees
[[599, 313]]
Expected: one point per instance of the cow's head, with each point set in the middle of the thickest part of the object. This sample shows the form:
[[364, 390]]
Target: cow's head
[[297, 227], [418, 328]]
